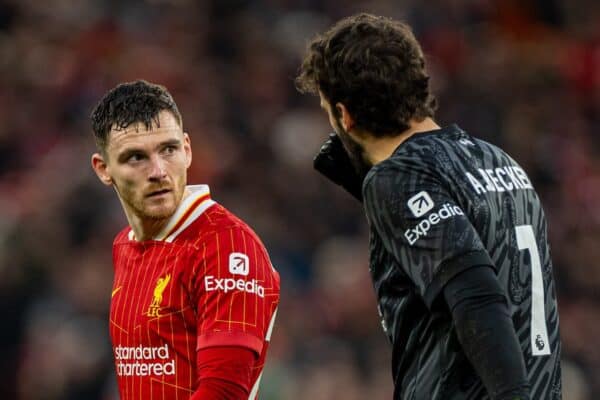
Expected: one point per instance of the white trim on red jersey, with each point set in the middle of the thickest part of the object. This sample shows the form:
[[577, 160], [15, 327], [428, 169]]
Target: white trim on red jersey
[[192, 207]]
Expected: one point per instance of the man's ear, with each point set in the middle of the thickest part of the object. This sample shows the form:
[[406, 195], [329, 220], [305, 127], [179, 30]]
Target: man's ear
[[101, 169], [187, 147], [345, 118]]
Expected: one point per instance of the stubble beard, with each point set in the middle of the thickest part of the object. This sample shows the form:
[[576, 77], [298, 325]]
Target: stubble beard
[[356, 152], [138, 204]]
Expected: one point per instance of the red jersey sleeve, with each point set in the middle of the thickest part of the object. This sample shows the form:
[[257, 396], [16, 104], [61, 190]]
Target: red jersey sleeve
[[224, 373], [237, 290]]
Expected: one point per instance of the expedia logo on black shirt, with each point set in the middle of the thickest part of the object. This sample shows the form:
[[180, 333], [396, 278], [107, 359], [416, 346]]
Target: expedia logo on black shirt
[[420, 203], [446, 211]]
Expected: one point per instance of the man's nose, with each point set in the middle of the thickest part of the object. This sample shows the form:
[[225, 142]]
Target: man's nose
[[158, 170]]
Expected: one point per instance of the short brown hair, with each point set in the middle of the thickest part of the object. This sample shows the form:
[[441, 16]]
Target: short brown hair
[[375, 67], [128, 103]]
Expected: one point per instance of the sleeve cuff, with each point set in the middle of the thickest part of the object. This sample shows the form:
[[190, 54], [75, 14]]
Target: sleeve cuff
[[229, 338], [452, 267]]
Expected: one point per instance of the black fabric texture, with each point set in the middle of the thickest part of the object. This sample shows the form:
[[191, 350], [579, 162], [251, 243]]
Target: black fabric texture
[[486, 332]]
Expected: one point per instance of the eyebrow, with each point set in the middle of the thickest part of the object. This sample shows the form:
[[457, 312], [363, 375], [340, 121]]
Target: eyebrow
[[170, 142], [125, 154]]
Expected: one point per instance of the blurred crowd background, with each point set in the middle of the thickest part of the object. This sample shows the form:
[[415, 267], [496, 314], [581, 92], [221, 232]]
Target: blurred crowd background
[[523, 74]]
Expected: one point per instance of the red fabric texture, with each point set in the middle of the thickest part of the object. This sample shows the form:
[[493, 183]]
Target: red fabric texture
[[224, 373]]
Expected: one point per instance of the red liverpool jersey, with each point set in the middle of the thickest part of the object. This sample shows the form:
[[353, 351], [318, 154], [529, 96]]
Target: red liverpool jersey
[[205, 280]]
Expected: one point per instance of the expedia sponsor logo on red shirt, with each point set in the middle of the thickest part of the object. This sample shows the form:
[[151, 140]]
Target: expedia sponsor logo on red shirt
[[239, 264], [228, 284]]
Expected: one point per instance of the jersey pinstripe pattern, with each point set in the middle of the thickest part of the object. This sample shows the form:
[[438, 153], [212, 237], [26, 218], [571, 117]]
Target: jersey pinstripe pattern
[[444, 202], [205, 280]]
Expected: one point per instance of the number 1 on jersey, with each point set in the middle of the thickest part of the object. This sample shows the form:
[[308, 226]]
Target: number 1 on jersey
[[540, 345]]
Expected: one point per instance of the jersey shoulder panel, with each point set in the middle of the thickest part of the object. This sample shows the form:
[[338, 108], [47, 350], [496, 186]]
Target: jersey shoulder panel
[[122, 237], [214, 220], [405, 173], [414, 160]]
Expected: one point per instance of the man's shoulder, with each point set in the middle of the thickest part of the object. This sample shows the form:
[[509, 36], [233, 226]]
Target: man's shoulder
[[122, 236], [219, 218], [417, 152], [436, 154], [220, 231], [401, 166], [216, 220]]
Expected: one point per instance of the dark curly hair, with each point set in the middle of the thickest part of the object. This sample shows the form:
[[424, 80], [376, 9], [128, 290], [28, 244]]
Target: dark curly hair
[[375, 67], [129, 103]]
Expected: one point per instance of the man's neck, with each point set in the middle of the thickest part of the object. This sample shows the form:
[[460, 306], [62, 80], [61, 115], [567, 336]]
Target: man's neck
[[146, 229], [379, 149]]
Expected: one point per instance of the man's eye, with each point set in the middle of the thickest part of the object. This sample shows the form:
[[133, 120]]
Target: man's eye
[[135, 158], [170, 149]]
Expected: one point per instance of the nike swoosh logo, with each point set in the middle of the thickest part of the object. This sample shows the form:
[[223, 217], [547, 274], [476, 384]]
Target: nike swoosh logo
[[115, 291]]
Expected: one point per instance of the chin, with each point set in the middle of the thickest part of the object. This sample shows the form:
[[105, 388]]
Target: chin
[[159, 211]]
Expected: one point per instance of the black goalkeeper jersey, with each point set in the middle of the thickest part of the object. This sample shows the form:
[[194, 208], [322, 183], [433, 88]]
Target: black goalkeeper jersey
[[444, 202]]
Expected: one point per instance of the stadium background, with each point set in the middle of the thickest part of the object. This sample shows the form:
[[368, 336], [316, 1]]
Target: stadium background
[[521, 74]]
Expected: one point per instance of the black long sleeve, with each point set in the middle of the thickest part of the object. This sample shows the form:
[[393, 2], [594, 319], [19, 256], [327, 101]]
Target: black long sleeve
[[486, 332]]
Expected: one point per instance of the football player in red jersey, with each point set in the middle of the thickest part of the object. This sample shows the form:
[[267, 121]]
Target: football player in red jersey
[[195, 295]]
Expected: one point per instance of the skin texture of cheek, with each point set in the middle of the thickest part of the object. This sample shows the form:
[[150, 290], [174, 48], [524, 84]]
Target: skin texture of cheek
[[133, 196], [130, 196]]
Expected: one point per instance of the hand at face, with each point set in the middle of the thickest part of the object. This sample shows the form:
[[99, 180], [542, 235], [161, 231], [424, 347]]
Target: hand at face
[[333, 162]]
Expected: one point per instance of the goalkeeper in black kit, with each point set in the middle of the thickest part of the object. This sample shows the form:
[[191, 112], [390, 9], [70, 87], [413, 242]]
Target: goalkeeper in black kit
[[459, 253]]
